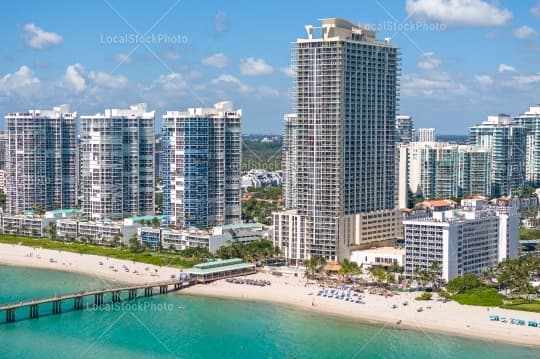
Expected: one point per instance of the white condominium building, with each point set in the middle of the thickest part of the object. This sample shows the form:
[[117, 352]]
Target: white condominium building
[[507, 142], [40, 160], [531, 120], [466, 240], [117, 169], [442, 170], [202, 166], [426, 135], [404, 129], [345, 105]]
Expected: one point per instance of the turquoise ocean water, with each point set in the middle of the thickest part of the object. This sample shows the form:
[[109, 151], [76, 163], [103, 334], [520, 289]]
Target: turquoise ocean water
[[180, 326]]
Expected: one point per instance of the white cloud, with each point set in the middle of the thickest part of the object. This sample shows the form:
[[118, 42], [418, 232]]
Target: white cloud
[[74, 78], [77, 79], [39, 39], [459, 12], [21, 82], [483, 80], [288, 71], [429, 61], [123, 59], [506, 68], [103, 79], [230, 82], [524, 32], [218, 60], [254, 67], [173, 82], [525, 80], [536, 10], [437, 86]]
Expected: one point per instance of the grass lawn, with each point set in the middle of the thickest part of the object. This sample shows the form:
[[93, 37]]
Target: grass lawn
[[528, 234], [487, 297], [523, 304], [159, 259]]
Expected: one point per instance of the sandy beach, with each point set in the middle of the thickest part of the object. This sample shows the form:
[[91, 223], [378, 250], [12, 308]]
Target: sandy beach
[[461, 320], [111, 270], [451, 317]]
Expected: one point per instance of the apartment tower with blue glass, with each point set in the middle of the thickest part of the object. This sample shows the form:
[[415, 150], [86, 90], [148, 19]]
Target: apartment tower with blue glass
[[531, 120], [202, 167], [508, 144]]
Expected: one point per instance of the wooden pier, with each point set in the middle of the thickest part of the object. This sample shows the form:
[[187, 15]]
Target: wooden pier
[[61, 302]]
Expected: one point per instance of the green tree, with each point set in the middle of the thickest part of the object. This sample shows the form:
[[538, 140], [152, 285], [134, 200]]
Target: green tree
[[435, 274], [379, 274], [155, 222], [348, 268], [159, 202], [314, 265], [116, 239], [462, 284], [51, 231], [134, 244]]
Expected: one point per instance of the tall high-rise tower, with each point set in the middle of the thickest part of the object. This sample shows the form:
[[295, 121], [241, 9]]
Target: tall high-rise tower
[[41, 160], [531, 120], [202, 166], [404, 129], [117, 170], [290, 160], [426, 135], [345, 101], [507, 142]]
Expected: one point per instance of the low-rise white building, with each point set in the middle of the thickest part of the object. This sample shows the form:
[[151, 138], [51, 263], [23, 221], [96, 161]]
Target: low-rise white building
[[382, 256], [466, 240], [257, 178], [211, 239], [32, 224], [96, 231]]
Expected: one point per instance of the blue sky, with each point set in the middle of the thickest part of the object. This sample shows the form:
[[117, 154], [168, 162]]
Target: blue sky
[[462, 60]]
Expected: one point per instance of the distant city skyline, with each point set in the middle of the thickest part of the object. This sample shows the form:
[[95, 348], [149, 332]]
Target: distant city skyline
[[176, 54]]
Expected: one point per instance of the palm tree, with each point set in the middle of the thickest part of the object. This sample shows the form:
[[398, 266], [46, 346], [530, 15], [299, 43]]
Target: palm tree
[[116, 240], [51, 230], [421, 276], [314, 265], [379, 274], [348, 268], [435, 274]]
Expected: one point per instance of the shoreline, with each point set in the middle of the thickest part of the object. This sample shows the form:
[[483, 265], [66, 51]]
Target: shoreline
[[371, 321], [463, 321]]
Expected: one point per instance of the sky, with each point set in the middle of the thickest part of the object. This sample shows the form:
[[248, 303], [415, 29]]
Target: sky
[[462, 60]]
